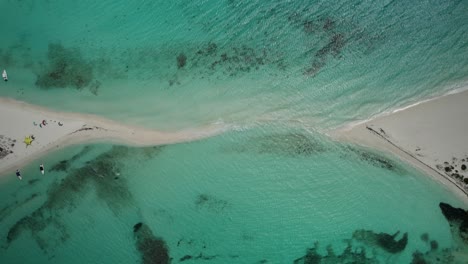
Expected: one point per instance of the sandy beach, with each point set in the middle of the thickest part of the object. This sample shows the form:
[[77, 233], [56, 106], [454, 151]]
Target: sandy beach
[[431, 136], [52, 130]]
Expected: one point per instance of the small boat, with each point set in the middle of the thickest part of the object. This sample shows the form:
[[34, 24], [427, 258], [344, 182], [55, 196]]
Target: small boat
[[41, 168], [5, 76]]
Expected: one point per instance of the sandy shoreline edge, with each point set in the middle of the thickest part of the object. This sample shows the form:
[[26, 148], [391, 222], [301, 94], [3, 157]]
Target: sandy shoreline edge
[[430, 136], [19, 120]]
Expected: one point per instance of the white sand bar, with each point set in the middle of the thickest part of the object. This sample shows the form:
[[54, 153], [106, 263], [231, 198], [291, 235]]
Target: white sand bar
[[432, 136], [19, 120]]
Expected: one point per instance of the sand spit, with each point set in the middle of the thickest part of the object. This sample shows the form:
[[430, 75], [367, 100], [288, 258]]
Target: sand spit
[[51, 130]]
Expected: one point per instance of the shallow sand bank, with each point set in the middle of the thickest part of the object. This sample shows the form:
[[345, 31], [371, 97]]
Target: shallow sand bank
[[431, 136], [19, 120]]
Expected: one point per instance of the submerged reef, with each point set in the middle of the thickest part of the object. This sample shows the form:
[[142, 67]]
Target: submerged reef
[[66, 67], [458, 220], [8, 209], [62, 165], [211, 60], [358, 254], [434, 255], [200, 256], [349, 255], [181, 60], [287, 144], [153, 250], [373, 158], [458, 253], [385, 241], [293, 144], [62, 197], [211, 203]]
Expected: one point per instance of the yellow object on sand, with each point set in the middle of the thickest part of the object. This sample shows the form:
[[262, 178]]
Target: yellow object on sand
[[28, 140]]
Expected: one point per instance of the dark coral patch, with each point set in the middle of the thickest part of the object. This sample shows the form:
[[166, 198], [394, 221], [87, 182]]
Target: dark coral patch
[[384, 241], [458, 220], [211, 203], [137, 227], [200, 256], [181, 60], [375, 159], [62, 165], [349, 255], [66, 68], [98, 173], [288, 144], [153, 250]]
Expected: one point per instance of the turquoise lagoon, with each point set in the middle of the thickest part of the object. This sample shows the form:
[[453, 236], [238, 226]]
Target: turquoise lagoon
[[279, 74]]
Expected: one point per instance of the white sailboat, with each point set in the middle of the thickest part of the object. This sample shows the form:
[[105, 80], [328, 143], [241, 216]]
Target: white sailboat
[[4, 75]]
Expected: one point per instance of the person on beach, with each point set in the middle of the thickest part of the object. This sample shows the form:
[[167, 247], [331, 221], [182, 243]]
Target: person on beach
[[18, 174], [41, 168]]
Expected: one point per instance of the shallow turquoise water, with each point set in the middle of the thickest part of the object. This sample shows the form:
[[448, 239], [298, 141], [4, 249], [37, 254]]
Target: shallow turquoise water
[[243, 197], [263, 193], [320, 62]]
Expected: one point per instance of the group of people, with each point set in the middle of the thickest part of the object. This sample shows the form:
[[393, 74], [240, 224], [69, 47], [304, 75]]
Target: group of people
[[18, 173]]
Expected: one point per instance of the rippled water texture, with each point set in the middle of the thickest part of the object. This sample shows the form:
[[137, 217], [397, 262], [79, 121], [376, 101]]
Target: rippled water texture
[[168, 64], [271, 193], [244, 197]]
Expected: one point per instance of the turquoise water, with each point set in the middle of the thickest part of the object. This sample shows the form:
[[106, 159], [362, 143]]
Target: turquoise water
[[243, 197], [281, 73], [314, 61]]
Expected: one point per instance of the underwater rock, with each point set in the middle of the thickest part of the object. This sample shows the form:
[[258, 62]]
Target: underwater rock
[[425, 237], [181, 61], [137, 227], [200, 256], [33, 181], [309, 27], [434, 245], [349, 255], [211, 203], [153, 250], [229, 61], [446, 256], [294, 144], [458, 220], [334, 46], [288, 144], [418, 258], [375, 159], [384, 241], [98, 173], [328, 24], [62, 165], [66, 68]]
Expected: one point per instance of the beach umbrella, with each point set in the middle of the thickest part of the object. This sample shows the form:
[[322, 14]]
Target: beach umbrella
[[28, 140]]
